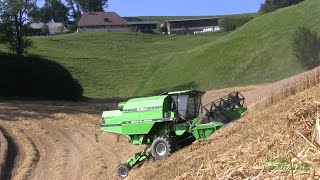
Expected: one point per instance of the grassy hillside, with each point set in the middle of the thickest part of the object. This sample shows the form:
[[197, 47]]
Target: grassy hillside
[[165, 18], [115, 64], [258, 52], [126, 64]]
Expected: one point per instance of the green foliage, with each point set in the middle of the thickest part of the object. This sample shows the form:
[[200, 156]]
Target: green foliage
[[13, 14], [92, 5], [53, 10], [306, 47], [36, 77], [130, 19], [230, 23], [79, 6], [45, 29], [272, 5], [72, 27], [16, 44]]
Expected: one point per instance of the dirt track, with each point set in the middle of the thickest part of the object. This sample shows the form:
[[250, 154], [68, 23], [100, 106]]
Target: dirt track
[[56, 140]]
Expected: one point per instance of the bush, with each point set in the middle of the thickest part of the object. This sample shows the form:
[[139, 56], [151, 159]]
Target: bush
[[306, 47], [36, 77], [45, 29], [72, 27], [230, 23]]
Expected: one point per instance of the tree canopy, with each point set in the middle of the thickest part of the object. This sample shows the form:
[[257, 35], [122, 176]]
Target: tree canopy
[[53, 10], [56, 10], [231, 23], [80, 6], [272, 5], [13, 17]]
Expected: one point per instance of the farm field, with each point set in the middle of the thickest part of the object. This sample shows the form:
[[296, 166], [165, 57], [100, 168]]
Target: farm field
[[56, 139]]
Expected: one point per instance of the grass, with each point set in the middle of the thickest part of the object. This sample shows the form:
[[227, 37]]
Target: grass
[[115, 64], [125, 64], [165, 18]]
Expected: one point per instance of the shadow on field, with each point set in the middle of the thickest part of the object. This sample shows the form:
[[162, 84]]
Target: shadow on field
[[40, 110], [35, 77]]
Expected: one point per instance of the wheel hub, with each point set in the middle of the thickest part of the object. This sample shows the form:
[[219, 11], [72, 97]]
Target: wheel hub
[[161, 149], [123, 172]]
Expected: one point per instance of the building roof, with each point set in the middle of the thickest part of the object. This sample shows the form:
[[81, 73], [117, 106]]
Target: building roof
[[54, 27], [101, 19], [142, 22], [178, 20]]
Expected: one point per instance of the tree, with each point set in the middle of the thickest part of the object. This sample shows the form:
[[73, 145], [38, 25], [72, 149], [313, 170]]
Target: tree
[[13, 16], [80, 6], [45, 29], [92, 5], [230, 23], [306, 47], [53, 10], [75, 9], [272, 5]]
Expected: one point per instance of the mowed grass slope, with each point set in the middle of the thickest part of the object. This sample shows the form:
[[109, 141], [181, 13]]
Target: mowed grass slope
[[165, 18], [115, 64], [125, 64], [258, 52]]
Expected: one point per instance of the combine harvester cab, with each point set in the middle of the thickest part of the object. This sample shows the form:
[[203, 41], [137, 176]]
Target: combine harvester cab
[[163, 122]]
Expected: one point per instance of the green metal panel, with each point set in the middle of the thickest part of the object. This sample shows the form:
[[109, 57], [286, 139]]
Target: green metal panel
[[205, 130], [136, 140], [180, 132], [138, 115], [112, 121], [111, 113], [145, 103], [235, 114]]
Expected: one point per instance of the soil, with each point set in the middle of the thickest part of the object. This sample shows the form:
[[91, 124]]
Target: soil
[[57, 140]]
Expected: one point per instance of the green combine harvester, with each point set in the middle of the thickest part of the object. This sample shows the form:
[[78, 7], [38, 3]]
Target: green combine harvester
[[162, 123]]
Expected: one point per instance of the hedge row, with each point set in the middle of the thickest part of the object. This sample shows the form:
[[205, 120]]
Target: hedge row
[[36, 77]]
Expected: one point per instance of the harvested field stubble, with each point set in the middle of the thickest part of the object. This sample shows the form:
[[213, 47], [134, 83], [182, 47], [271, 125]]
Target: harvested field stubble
[[276, 92], [284, 132]]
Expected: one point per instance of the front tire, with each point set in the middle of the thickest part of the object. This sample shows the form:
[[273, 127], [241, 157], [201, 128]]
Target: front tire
[[160, 148], [123, 171]]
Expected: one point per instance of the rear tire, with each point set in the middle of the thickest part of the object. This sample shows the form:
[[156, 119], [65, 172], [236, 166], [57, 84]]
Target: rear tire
[[160, 148], [123, 171]]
